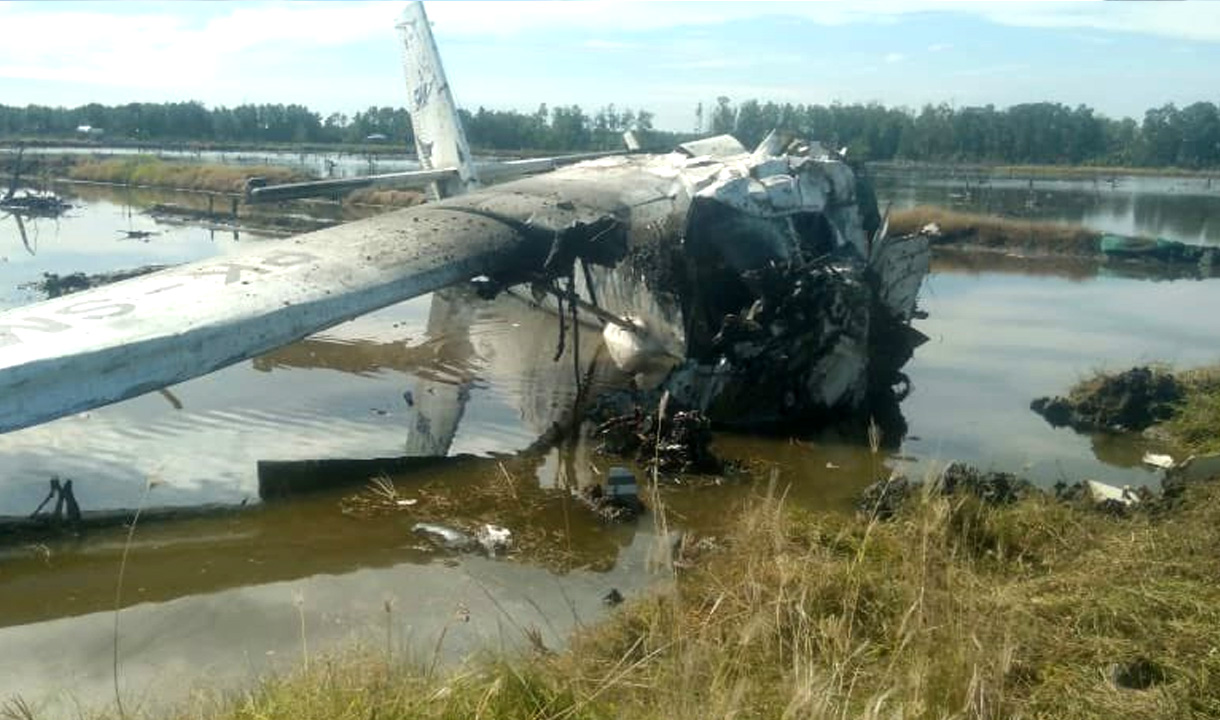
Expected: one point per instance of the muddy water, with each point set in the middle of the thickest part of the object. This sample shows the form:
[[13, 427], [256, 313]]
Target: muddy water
[[212, 600], [1178, 208]]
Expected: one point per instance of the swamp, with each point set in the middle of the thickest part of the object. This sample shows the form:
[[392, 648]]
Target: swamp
[[277, 548]]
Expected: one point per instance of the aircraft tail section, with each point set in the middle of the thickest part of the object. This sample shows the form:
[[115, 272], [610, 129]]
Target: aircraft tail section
[[439, 137]]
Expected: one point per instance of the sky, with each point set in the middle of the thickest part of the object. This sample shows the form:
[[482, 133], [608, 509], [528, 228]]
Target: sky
[[1118, 57]]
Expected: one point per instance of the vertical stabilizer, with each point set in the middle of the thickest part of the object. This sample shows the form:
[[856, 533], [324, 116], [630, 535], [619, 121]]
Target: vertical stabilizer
[[439, 137]]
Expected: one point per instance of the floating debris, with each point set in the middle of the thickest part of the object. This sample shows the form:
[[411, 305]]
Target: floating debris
[[884, 498], [1156, 460], [618, 499], [445, 536]]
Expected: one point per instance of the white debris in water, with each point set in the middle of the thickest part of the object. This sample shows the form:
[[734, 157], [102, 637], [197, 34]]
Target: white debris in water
[[494, 539], [1155, 460]]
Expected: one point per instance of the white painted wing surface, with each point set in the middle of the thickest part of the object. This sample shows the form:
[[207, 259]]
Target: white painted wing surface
[[110, 343]]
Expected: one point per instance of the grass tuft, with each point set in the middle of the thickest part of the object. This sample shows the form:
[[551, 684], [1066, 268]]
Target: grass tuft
[[1195, 425]]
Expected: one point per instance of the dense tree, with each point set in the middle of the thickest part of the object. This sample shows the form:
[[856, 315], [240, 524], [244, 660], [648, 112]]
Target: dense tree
[[1025, 133]]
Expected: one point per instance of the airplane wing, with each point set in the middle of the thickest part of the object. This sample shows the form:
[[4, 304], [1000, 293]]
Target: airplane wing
[[91, 348], [96, 347]]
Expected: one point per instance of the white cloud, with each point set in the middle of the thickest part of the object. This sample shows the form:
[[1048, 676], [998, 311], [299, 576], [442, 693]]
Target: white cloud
[[599, 44], [1181, 20], [164, 50], [230, 52]]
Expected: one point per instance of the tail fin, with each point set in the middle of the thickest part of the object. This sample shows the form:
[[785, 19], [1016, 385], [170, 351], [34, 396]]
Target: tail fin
[[439, 137]]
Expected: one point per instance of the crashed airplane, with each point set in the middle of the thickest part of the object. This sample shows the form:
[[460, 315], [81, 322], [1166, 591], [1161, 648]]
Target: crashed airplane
[[758, 286]]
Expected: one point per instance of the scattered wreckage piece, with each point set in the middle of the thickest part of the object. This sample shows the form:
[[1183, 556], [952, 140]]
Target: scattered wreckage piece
[[1157, 460], [35, 205], [682, 443], [617, 499], [1105, 495], [884, 498], [1130, 401]]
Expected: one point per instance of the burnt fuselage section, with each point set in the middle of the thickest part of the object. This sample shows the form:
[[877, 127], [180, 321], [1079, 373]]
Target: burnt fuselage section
[[759, 288]]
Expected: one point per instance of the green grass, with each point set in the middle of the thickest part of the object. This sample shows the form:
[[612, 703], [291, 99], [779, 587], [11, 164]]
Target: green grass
[[148, 171], [1196, 424], [951, 610]]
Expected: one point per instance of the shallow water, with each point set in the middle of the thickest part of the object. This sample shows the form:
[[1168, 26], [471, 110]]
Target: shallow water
[[448, 375]]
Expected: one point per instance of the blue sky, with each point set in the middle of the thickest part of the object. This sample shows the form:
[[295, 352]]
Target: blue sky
[[1120, 58]]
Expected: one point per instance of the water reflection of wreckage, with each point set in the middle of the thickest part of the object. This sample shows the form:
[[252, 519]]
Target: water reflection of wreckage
[[759, 286], [747, 286]]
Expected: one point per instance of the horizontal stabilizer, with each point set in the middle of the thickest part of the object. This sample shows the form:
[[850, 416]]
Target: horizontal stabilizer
[[316, 188], [497, 171]]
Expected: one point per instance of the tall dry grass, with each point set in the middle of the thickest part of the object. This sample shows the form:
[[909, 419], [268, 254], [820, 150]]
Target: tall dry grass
[[149, 171], [997, 233]]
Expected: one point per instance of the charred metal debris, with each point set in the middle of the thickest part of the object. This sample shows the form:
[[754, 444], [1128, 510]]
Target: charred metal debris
[[1130, 401], [757, 288]]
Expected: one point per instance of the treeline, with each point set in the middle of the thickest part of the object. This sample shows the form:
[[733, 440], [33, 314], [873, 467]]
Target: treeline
[[1036, 133], [1032, 133], [558, 128]]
